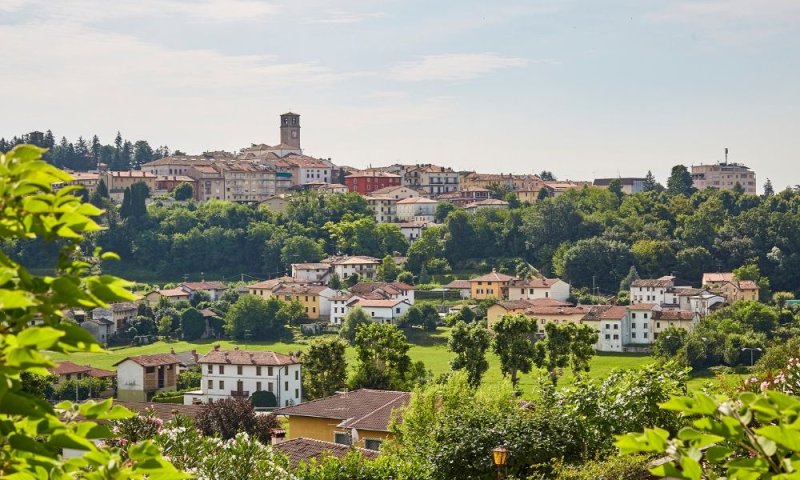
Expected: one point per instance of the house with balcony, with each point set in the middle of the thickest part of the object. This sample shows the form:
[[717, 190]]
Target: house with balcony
[[345, 266], [241, 373], [142, 376]]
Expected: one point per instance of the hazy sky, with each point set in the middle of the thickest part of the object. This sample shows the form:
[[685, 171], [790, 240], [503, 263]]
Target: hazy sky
[[583, 88]]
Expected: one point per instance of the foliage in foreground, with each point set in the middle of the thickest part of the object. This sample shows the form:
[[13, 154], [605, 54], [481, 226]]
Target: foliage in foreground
[[32, 432], [755, 436]]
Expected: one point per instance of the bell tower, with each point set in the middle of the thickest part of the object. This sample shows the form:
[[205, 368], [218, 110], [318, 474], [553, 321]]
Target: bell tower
[[290, 129]]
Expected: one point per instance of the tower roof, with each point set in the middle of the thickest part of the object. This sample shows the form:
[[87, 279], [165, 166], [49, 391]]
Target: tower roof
[[290, 113]]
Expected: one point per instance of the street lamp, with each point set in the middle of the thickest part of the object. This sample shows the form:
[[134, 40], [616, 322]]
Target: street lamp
[[500, 457], [751, 353]]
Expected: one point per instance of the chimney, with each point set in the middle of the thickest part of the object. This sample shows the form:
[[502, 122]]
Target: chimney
[[216, 348], [172, 350], [277, 435], [236, 348], [194, 355]]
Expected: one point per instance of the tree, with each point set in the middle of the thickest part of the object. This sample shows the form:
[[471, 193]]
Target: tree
[[443, 209], [469, 344], [227, 417], [565, 345], [615, 187], [383, 361], [680, 181], [650, 183], [631, 277], [355, 317], [768, 190], [406, 277], [324, 368], [597, 261], [752, 272], [653, 258], [165, 326], [781, 298], [255, 318], [183, 191], [388, 270], [547, 176], [34, 431], [300, 249], [669, 343], [512, 343], [334, 281], [142, 153], [193, 324]]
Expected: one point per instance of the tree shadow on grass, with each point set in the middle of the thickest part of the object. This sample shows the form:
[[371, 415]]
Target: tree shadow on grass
[[422, 338]]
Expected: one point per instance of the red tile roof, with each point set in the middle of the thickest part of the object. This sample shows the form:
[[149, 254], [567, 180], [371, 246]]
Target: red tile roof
[[379, 303], [606, 312], [674, 315], [174, 292], [244, 357], [362, 409], [535, 282], [154, 360], [205, 286], [718, 277], [747, 285], [164, 411], [68, 368], [642, 306], [304, 449], [458, 284], [493, 277]]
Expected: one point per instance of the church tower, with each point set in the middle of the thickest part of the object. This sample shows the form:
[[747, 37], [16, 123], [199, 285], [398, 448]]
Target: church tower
[[290, 129]]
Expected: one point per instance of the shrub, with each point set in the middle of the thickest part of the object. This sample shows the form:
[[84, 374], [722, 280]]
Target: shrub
[[226, 418], [264, 399]]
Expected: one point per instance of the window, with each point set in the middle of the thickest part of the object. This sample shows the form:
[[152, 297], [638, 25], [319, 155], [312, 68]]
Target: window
[[372, 444], [658, 324], [633, 315], [608, 336], [269, 371], [297, 374], [608, 326], [397, 310], [269, 386], [633, 325], [645, 334], [222, 385], [616, 337], [222, 369], [150, 369], [645, 326], [645, 315], [239, 369], [258, 371], [341, 438], [296, 393], [633, 334], [616, 326], [258, 386], [286, 386]]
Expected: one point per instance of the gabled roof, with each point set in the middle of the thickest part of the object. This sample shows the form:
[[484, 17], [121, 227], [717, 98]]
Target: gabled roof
[[205, 285], [458, 285], [363, 409], [489, 202], [747, 285], [244, 357], [493, 277], [411, 200], [154, 360], [310, 266], [606, 312], [535, 282], [351, 260], [369, 287], [299, 289], [544, 310], [304, 449], [174, 292], [68, 368], [674, 315], [123, 306], [100, 373], [379, 303], [642, 306], [271, 284], [717, 277], [654, 282]]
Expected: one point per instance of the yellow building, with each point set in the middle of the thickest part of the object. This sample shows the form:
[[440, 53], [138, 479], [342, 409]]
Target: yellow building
[[492, 285], [359, 418], [313, 298]]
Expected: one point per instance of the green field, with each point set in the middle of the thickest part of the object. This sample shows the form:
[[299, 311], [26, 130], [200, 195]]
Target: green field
[[430, 348]]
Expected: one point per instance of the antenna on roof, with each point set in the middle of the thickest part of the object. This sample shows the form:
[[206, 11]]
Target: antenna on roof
[[726, 155]]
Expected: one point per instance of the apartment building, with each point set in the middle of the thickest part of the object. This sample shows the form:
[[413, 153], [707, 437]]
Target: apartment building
[[246, 182], [724, 176], [432, 180], [367, 181], [240, 373]]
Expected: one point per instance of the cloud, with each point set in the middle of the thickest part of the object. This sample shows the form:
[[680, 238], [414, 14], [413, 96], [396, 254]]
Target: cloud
[[459, 66], [93, 11], [341, 17], [718, 11]]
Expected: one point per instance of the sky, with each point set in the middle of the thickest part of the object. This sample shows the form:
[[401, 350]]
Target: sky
[[586, 89]]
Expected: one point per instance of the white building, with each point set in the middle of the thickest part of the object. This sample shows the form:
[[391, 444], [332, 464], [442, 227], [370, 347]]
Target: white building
[[534, 288], [311, 272], [382, 311], [240, 373], [657, 290], [636, 327], [412, 230], [383, 202], [142, 376], [416, 209], [345, 266]]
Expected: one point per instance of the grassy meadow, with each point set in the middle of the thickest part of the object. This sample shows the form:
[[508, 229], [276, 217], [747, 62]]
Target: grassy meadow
[[430, 348]]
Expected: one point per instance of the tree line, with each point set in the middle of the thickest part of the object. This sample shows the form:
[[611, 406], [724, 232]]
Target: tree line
[[87, 153]]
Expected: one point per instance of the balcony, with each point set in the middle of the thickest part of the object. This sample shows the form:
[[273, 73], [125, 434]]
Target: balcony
[[240, 393]]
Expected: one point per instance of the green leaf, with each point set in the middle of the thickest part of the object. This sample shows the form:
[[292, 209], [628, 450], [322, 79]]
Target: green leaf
[[783, 436], [691, 468], [10, 299], [40, 337], [717, 454]]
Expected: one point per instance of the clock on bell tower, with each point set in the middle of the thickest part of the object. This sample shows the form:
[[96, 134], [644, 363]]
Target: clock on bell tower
[[290, 129]]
